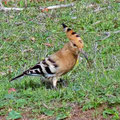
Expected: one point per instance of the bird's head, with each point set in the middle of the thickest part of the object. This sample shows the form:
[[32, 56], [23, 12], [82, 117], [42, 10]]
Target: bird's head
[[76, 43]]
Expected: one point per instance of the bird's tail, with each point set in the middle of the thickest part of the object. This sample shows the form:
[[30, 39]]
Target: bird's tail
[[19, 76], [73, 36], [36, 70]]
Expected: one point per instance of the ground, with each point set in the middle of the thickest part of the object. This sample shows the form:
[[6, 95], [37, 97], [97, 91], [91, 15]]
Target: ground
[[92, 91], [76, 114]]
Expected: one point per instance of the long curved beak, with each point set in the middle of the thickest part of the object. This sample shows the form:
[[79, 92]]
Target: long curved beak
[[85, 55]]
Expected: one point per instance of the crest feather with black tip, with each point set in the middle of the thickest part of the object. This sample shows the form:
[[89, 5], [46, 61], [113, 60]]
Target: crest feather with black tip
[[73, 36]]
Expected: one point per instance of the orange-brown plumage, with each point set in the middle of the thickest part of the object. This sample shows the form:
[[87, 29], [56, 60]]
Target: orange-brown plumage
[[65, 58], [61, 62]]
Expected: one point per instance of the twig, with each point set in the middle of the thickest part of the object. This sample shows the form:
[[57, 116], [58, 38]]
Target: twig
[[26, 3], [91, 6], [1, 5], [116, 32], [96, 23], [8, 9], [57, 6], [48, 107], [109, 34], [45, 105], [18, 23], [99, 9]]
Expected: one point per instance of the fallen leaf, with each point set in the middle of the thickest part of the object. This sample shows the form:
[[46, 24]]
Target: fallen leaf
[[33, 39], [11, 90], [48, 44], [10, 109], [28, 50], [45, 10], [9, 69], [5, 2], [7, 39], [2, 73], [11, 16]]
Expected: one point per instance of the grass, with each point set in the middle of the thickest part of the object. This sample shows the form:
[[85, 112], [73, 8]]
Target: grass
[[87, 87]]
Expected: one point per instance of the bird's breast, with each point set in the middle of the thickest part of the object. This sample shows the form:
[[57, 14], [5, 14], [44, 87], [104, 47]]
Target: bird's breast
[[66, 63]]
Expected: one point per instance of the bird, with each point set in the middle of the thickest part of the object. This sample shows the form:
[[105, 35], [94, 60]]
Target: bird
[[60, 62]]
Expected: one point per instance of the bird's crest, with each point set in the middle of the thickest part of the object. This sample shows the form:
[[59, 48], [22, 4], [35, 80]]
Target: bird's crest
[[73, 36]]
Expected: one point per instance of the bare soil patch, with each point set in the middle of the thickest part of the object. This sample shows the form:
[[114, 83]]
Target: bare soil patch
[[76, 114], [92, 114]]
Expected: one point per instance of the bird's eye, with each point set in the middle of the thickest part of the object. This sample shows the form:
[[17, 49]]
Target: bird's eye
[[74, 45]]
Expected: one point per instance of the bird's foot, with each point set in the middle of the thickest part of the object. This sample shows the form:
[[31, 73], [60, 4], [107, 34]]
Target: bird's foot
[[63, 82]]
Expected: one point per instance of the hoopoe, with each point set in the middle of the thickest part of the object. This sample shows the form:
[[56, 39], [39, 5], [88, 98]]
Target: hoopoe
[[59, 63]]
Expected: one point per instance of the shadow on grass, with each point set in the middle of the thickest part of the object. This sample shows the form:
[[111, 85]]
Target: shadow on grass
[[35, 84]]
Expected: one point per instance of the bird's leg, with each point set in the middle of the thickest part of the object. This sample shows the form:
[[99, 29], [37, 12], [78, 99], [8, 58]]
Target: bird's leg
[[63, 82], [55, 82]]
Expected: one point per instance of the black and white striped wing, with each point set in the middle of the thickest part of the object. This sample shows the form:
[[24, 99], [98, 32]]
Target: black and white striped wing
[[47, 68]]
